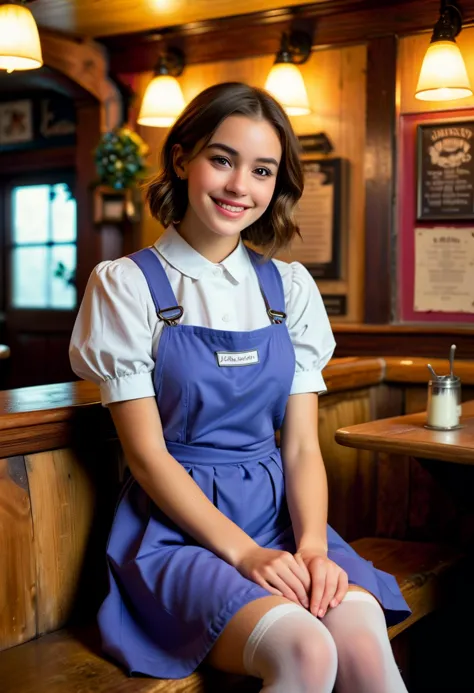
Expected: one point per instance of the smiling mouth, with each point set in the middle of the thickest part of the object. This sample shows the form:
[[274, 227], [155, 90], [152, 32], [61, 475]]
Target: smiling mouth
[[229, 208]]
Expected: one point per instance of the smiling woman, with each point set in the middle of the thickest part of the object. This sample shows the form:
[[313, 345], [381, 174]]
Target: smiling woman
[[228, 151], [220, 548]]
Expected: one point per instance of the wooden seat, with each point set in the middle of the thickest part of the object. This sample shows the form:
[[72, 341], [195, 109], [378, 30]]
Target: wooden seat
[[69, 660]]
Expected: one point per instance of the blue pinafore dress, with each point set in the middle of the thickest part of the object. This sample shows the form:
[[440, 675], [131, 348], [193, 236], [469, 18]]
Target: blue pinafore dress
[[221, 396]]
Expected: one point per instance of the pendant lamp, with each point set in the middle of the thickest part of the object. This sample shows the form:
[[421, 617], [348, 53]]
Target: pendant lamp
[[20, 47], [285, 81], [443, 74], [163, 99]]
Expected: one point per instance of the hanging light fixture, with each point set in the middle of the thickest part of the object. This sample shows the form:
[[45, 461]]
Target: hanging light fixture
[[20, 47], [163, 100], [443, 74], [285, 81]]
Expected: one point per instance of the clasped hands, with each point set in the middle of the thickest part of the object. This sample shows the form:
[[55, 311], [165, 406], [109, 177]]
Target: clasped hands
[[308, 577]]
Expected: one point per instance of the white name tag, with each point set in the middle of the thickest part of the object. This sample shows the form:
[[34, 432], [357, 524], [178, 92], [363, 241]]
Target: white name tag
[[237, 358]]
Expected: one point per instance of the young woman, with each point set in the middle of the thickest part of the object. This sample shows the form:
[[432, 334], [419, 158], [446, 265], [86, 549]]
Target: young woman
[[220, 549]]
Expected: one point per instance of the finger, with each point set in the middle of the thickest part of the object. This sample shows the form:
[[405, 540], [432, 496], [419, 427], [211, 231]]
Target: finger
[[330, 589], [317, 569], [304, 575], [342, 586], [266, 586], [294, 583], [278, 583]]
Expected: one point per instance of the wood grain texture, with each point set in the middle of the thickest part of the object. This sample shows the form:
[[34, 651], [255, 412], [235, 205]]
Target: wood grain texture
[[406, 435], [63, 502], [17, 559], [393, 496], [379, 178], [420, 569], [350, 473]]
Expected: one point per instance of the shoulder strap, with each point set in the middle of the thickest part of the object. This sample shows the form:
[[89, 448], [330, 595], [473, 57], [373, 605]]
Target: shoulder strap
[[166, 305], [271, 286]]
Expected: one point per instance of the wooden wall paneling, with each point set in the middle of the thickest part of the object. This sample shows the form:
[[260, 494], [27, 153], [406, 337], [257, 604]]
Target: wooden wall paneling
[[410, 57], [379, 177], [350, 472], [62, 500], [393, 493], [17, 558]]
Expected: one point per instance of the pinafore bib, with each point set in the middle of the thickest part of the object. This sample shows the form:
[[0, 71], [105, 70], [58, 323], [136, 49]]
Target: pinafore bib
[[221, 397]]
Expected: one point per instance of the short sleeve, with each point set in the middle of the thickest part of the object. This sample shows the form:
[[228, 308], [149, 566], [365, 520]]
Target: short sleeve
[[111, 343], [309, 327]]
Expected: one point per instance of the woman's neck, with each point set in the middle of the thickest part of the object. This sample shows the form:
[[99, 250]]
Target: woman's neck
[[210, 245]]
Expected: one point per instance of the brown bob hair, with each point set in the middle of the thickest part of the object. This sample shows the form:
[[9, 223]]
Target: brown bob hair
[[167, 195]]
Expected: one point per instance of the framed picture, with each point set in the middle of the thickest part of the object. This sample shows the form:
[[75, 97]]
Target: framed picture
[[319, 214], [445, 170], [16, 122]]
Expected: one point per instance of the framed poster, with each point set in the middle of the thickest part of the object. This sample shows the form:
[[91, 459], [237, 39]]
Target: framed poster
[[319, 218], [16, 122], [433, 272], [445, 170]]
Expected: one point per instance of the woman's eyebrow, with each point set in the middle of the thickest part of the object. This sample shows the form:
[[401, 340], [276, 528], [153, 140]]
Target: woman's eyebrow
[[234, 152]]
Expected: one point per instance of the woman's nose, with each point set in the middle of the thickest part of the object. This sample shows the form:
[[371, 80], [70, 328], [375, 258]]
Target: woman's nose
[[238, 182]]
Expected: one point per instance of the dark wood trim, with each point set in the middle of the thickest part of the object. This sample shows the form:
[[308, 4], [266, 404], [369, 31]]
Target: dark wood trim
[[407, 341], [89, 251], [379, 177], [259, 33]]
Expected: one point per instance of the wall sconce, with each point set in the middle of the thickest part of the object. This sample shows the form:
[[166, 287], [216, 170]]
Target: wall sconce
[[20, 47], [443, 74], [163, 99], [285, 81]]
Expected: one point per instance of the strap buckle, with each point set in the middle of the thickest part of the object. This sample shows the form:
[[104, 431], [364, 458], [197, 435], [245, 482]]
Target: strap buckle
[[171, 320], [276, 316]]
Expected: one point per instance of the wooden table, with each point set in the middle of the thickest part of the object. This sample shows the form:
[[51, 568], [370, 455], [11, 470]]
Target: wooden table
[[406, 435]]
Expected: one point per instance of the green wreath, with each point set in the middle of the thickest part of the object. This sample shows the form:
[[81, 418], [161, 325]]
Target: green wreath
[[120, 158]]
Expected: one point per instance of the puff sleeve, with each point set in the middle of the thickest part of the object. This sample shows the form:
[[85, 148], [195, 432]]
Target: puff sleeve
[[309, 328], [111, 343]]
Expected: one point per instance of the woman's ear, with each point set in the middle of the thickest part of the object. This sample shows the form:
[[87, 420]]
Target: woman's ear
[[180, 164]]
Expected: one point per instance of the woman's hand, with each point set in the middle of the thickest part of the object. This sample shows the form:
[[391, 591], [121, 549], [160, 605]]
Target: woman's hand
[[279, 572], [329, 582]]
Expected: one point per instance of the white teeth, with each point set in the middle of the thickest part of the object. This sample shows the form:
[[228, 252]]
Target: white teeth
[[230, 208]]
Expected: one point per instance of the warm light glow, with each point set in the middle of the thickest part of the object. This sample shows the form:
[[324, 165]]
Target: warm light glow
[[162, 103], [20, 47], [285, 82], [443, 74]]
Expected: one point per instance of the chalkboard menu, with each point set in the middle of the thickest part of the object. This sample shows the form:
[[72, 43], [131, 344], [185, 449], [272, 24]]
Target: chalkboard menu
[[445, 181]]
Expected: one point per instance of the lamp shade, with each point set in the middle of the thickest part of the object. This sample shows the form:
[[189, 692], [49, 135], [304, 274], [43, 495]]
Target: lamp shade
[[162, 103], [443, 74], [285, 82], [20, 47]]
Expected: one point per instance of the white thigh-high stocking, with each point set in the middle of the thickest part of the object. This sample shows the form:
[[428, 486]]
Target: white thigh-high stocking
[[292, 652], [365, 659]]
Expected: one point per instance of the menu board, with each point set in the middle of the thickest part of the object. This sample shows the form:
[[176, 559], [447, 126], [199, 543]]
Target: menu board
[[445, 170]]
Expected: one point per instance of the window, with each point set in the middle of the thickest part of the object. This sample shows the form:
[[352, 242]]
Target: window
[[43, 252]]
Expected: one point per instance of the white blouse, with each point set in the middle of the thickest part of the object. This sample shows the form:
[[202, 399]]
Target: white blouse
[[116, 335]]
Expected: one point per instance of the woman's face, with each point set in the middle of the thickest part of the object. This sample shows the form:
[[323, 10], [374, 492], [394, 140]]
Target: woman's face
[[231, 181]]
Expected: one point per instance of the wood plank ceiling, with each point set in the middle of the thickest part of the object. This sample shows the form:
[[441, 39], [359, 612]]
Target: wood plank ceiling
[[94, 18]]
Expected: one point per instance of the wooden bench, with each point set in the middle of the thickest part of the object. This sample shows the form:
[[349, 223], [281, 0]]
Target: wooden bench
[[59, 478]]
